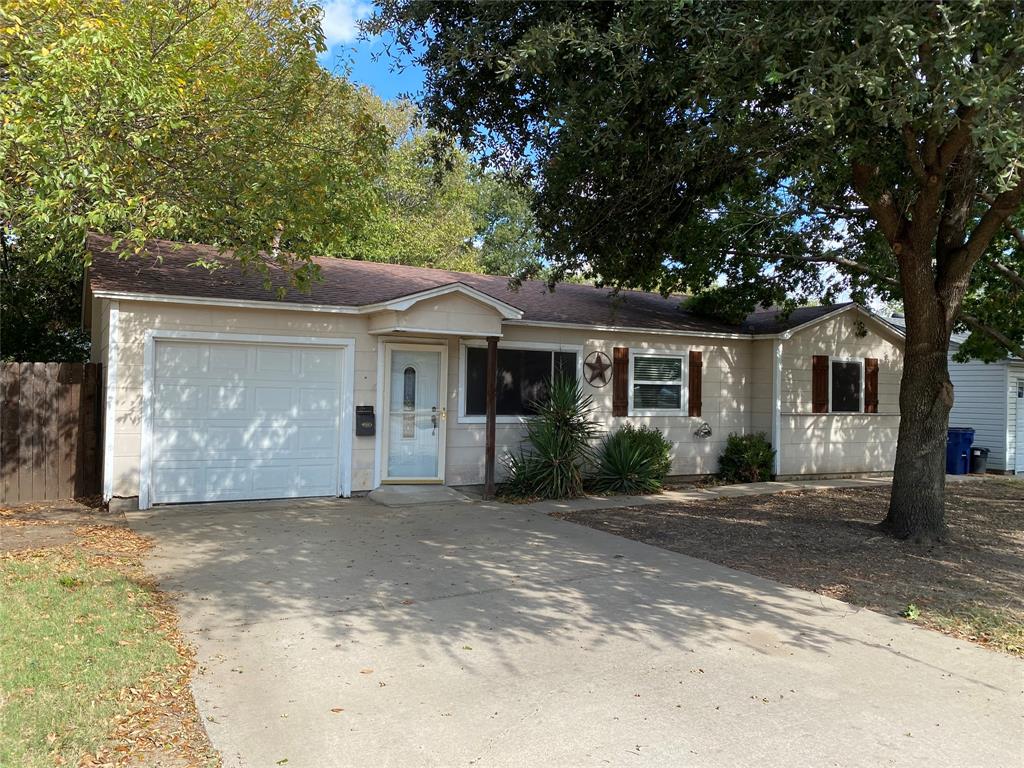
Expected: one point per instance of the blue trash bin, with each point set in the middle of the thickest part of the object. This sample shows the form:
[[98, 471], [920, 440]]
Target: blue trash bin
[[958, 450]]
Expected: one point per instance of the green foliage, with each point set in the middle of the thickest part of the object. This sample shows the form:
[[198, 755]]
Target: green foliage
[[507, 236], [439, 209], [798, 133], [911, 612], [558, 450], [746, 459], [201, 121], [41, 308], [633, 460]]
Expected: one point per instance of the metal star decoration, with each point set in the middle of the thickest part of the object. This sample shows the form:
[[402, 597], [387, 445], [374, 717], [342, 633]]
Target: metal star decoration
[[596, 368]]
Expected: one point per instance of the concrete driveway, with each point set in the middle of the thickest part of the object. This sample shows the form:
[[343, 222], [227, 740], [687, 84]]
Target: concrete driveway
[[467, 635]]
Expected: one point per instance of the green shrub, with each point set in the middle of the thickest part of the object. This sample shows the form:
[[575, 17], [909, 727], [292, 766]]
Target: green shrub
[[559, 437], [633, 460], [746, 459]]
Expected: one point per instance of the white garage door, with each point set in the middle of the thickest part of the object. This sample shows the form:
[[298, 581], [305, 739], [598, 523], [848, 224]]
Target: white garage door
[[245, 421]]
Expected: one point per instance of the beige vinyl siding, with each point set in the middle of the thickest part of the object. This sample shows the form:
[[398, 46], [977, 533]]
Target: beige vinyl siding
[[737, 384], [726, 400], [99, 331], [978, 402], [838, 443], [137, 317], [761, 392], [445, 314]]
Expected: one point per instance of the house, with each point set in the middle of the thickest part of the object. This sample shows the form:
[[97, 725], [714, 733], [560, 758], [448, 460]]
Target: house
[[216, 390], [989, 398]]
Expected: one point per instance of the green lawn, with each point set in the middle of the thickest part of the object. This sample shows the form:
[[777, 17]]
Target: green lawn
[[72, 635]]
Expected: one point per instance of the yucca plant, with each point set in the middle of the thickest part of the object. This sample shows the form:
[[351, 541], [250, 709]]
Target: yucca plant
[[633, 460], [558, 446]]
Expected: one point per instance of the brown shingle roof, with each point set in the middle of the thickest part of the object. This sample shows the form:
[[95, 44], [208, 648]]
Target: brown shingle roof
[[346, 282]]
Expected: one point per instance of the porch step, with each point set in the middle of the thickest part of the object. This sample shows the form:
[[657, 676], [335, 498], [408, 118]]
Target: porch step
[[413, 495]]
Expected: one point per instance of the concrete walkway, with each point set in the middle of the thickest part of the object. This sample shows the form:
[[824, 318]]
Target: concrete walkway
[[344, 633]]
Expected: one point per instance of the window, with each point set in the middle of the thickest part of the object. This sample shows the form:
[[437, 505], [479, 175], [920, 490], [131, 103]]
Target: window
[[846, 386], [657, 383], [523, 375], [409, 403]]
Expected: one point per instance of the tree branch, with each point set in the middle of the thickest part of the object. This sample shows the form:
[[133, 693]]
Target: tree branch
[[912, 153], [882, 205], [1002, 207], [979, 327], [1014, 277], [1017, 232], [840, 261], [957, 138]]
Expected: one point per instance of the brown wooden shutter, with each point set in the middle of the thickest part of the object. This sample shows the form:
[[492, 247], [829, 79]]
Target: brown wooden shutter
[[620, 381], [819, 384], [696, 376], [870, 385]]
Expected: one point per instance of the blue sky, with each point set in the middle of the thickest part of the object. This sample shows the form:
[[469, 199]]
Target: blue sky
[[340, 24]]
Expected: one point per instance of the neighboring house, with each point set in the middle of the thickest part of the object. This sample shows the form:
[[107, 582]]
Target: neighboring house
[[217, 391], [989, 398]]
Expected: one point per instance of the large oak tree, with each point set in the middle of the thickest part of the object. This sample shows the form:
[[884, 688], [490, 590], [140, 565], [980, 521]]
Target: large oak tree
[[677, 143]]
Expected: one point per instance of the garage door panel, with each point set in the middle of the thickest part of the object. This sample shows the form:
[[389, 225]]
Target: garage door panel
[[274, 360], [185, 359], [315, 439], [212, 442], [179, 401], [272, 400], [314, 402], [238, 422], [227, 400], [316, 365], [229, 360]]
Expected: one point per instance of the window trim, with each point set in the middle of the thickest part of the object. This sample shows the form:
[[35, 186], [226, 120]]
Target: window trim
[[683, 356], [860, 362], [526, 346]]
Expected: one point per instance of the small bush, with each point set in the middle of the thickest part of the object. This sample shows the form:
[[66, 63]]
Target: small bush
[[559, 446], [746, 459], [633, 460]]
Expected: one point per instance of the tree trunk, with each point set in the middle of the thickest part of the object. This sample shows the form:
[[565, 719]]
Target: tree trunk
[[916, 506]]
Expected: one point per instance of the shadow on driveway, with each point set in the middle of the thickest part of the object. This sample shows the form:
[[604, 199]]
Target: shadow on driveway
[[498, 636]]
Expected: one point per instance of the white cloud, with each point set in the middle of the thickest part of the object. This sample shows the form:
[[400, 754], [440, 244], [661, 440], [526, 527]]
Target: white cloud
[[341, 20]]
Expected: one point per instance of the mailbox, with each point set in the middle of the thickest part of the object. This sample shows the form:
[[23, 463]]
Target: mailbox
[[366, 422]]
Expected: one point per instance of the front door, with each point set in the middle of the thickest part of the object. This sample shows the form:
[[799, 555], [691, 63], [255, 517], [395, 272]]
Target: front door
[[415, 413]]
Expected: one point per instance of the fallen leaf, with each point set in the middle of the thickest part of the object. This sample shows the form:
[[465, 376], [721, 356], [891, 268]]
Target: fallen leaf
[[337, 709]]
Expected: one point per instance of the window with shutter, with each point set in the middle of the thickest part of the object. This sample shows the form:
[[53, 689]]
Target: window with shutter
[[620, 381], [657, 383], [696, 377], [870, 385], [819, 384]]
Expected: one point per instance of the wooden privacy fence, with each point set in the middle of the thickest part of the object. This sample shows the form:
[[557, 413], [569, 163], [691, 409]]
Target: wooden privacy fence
[[50, 434]]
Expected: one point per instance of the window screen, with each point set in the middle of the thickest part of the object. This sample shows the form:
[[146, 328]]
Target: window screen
[[523, 376], [657, 383], [846, 387]]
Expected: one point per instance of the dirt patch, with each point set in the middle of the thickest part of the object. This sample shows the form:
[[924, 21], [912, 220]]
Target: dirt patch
[[824, 541], [158, 725]]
